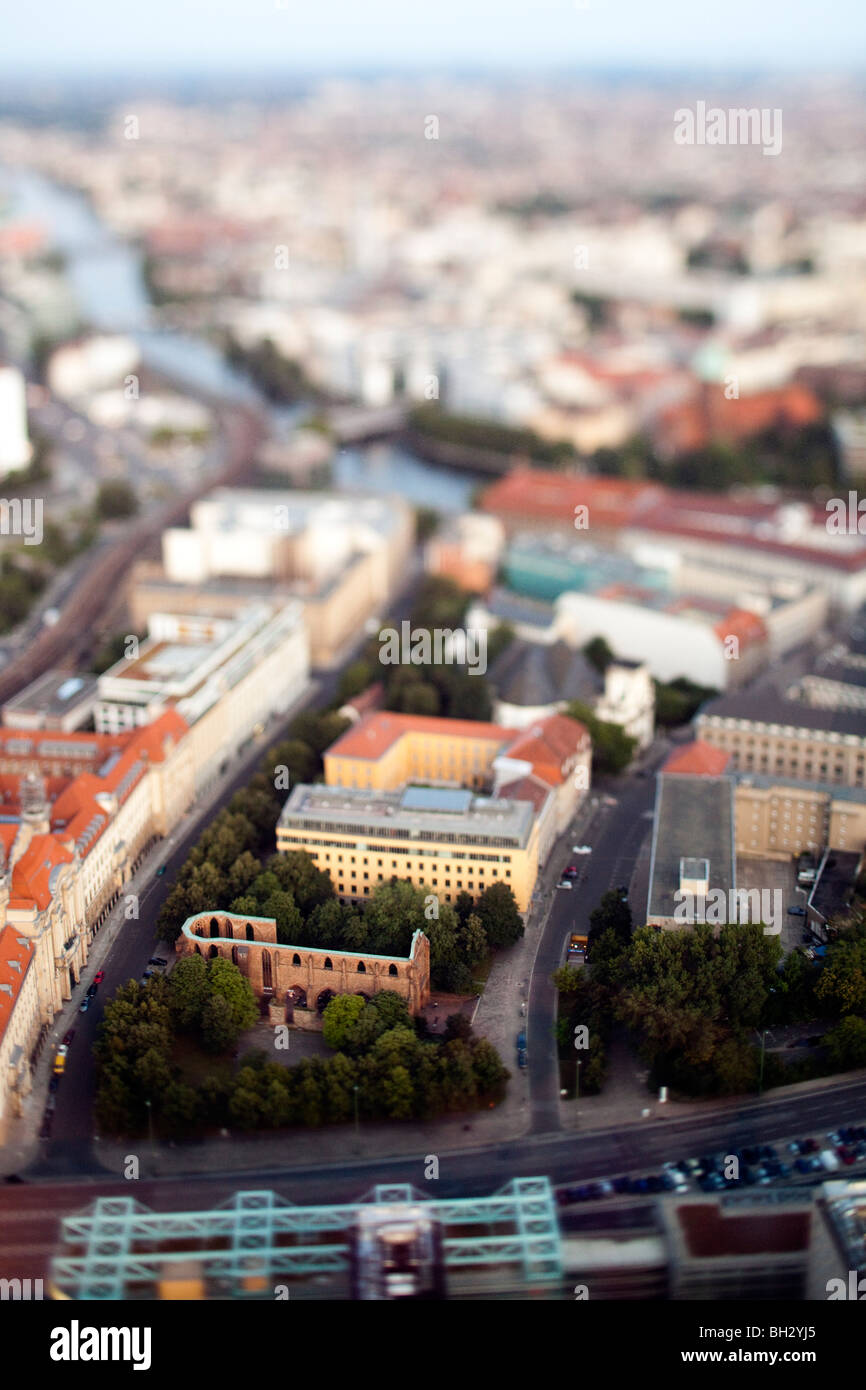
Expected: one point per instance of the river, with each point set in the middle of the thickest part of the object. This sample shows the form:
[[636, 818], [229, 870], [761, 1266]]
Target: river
[[105, 275]]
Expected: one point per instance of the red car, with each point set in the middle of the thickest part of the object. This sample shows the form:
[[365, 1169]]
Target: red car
[[99, 977], [68, 1037]]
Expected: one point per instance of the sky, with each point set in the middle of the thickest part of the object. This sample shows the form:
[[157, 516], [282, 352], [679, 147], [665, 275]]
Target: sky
[[200, 36]]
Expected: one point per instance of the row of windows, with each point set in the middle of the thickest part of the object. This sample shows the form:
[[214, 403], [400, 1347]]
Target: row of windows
[[316, 844], [327, 964], [375, 832]]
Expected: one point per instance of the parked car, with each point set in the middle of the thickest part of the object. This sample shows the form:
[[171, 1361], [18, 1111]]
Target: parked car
[[157, 960], [99, 977], [571, 872], [803, 1165], [521, 1057], [581, 849], [67, 1038], [564, 883], [85, 1004], [161, 870], [54, 1082], [797, 911], [521, 1041], [91, 990], [63, 1049]]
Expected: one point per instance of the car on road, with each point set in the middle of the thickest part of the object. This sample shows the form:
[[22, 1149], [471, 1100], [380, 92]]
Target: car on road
[[67, 1037], [99, 977], [161, 870], [521, 1057], [674, 1181], [566, 1195], [565, 883], [521, 1041], [157, 960], [581, 849], [85, 1004], [796, 912]]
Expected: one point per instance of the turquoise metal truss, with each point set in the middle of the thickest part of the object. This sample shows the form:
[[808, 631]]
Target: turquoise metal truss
[[118, 1243]]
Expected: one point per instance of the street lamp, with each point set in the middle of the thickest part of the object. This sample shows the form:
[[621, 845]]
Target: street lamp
[[357, 1132], [577, 1090], [761, 1073], [150, 1132]]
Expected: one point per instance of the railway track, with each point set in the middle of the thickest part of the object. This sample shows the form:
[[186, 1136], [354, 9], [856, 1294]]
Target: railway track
[[97, 589]]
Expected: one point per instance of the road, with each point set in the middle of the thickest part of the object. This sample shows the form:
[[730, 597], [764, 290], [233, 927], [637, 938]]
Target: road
[[69, 1150], [30, 1213], [616, 834], [98, 582]]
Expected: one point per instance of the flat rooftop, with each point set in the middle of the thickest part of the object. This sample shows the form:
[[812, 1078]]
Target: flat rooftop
[[694, 820], [53, 695], [353, 810], [835, 882], [768, 707]]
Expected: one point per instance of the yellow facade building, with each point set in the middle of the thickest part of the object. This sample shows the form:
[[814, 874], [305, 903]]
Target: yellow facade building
[[445, 840], [386, 751]]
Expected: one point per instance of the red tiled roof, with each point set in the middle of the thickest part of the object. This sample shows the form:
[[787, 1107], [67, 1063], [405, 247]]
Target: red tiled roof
[[12, 950], [367, 700], [745, 626], [378, 732], [548, 745], [32, 872], [525, 789], [698, 759], [527, 493]]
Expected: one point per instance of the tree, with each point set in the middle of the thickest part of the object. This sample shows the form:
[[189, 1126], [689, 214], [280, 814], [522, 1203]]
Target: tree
[[612, 748], [356, 677], [612, 914], [473, 940], [598, 654], [218, 1028], [226, 981], [179, 1109], [464, 904], [287, 915], [340, 1020], [188, 991], [116, 498], [846, 1043], [457, 1026], [497, 911], [242, 872], [392, 1009], [842, 985]]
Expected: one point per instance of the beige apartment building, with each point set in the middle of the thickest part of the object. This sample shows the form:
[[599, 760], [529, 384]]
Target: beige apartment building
[[443, 839], [779, 819], [785, 738], [342, 558]]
